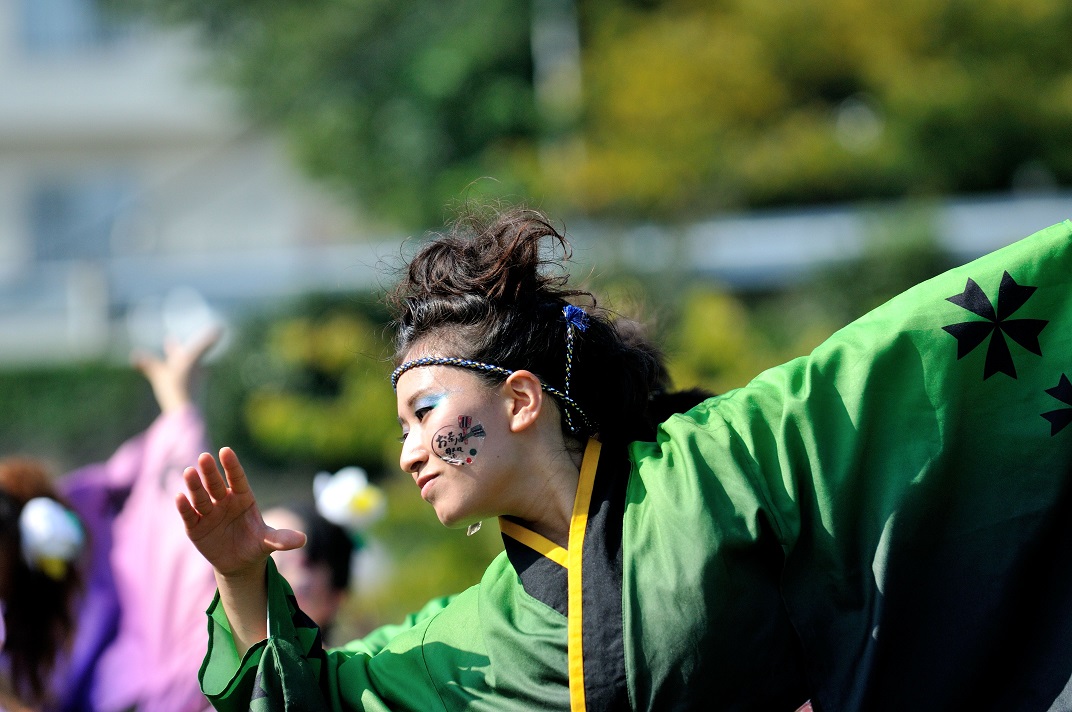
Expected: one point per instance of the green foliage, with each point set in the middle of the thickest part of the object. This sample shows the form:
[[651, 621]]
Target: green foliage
[[311, 386], [693, 107], [716, 345], [399, 105], [71, 415], [688, 107]]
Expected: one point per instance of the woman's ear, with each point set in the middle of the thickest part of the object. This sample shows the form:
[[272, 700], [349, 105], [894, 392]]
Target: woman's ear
[[524, 399]]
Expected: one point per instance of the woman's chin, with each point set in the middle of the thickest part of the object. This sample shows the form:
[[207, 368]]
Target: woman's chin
[[456, 520], [450, 519]]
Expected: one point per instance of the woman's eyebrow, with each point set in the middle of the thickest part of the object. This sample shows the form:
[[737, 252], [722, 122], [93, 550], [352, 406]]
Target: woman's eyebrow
[[413, 397]]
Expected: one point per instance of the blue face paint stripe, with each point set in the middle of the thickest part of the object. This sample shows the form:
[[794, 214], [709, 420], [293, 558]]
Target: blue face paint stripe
[[429, 401]]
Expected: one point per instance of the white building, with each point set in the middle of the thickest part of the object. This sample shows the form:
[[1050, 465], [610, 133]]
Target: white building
[[126, 172]]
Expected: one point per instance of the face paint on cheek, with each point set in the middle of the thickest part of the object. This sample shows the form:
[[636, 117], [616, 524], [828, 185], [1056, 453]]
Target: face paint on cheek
[[459, 444]]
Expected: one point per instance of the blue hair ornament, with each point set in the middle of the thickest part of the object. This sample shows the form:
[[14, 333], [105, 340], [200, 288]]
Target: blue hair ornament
[[575, 316]]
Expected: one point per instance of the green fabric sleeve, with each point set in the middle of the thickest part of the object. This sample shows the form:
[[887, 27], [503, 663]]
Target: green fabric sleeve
[[291, 671], [879, 503], [378, 639], [434, 660]]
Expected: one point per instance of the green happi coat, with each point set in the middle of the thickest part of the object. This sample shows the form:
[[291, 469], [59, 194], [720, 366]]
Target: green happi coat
[[884, 524]]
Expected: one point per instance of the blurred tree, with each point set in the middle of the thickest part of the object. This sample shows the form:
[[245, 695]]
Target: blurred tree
[[399, 105], [333, 404], [697, 106], [309, 390], [72, 415], [716, 344], [682, 108]]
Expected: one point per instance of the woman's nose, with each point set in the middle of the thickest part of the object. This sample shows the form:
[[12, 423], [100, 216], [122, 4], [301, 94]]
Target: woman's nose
[[412, 454]]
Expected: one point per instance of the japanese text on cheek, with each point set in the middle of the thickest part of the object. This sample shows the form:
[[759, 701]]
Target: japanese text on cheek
[[459, 444]]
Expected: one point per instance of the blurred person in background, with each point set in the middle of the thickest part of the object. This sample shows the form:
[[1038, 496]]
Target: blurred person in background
[[140, 633], [320, 571], [335, 523], [40, 542]]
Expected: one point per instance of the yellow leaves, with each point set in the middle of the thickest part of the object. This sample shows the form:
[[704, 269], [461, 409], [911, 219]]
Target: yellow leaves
[[354, 426], [716, 343], [334, 402], [330, 344], [1061, 97], [634, 174], [694, 107], [677, 68]]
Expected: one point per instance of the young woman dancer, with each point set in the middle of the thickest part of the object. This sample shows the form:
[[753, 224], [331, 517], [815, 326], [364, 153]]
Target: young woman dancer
[[880, 525]]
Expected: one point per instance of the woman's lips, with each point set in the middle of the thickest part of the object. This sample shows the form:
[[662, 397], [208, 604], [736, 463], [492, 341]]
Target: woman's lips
[[423, 481]]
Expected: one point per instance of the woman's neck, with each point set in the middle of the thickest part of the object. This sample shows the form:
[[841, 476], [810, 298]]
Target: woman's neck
[[548, 508]]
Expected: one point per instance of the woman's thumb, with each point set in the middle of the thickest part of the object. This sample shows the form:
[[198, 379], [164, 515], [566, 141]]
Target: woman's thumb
[[284, 539]]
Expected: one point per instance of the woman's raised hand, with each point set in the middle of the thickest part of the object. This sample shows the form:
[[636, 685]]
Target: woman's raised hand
[[222, 519]]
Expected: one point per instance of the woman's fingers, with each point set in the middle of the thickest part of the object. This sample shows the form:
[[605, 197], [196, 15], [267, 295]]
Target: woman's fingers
[[199, 498], [206, 485], [211, 477], [236, 475], [215, 504], [189, 515]]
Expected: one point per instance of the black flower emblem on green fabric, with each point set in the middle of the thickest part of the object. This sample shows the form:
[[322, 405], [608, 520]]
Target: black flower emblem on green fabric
[[1061, 417], [997, 325], [260, 691]]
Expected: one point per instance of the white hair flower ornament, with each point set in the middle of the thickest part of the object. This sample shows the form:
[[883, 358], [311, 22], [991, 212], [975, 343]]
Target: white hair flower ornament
[[51, 536], [348, 499]]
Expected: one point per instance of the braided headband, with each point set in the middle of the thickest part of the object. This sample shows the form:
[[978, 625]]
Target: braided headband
[[489, 368]]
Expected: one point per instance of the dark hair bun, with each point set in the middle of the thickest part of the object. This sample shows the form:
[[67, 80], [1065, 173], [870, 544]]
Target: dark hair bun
[[493, 289], [501, 259]]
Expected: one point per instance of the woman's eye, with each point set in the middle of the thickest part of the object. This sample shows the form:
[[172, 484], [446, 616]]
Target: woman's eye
[[421, 412], [402, 438]]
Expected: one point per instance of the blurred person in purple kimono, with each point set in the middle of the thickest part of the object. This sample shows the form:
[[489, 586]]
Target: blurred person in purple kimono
[[140, 625]]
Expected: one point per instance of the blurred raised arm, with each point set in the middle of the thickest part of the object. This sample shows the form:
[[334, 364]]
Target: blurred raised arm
[[171, 375]]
